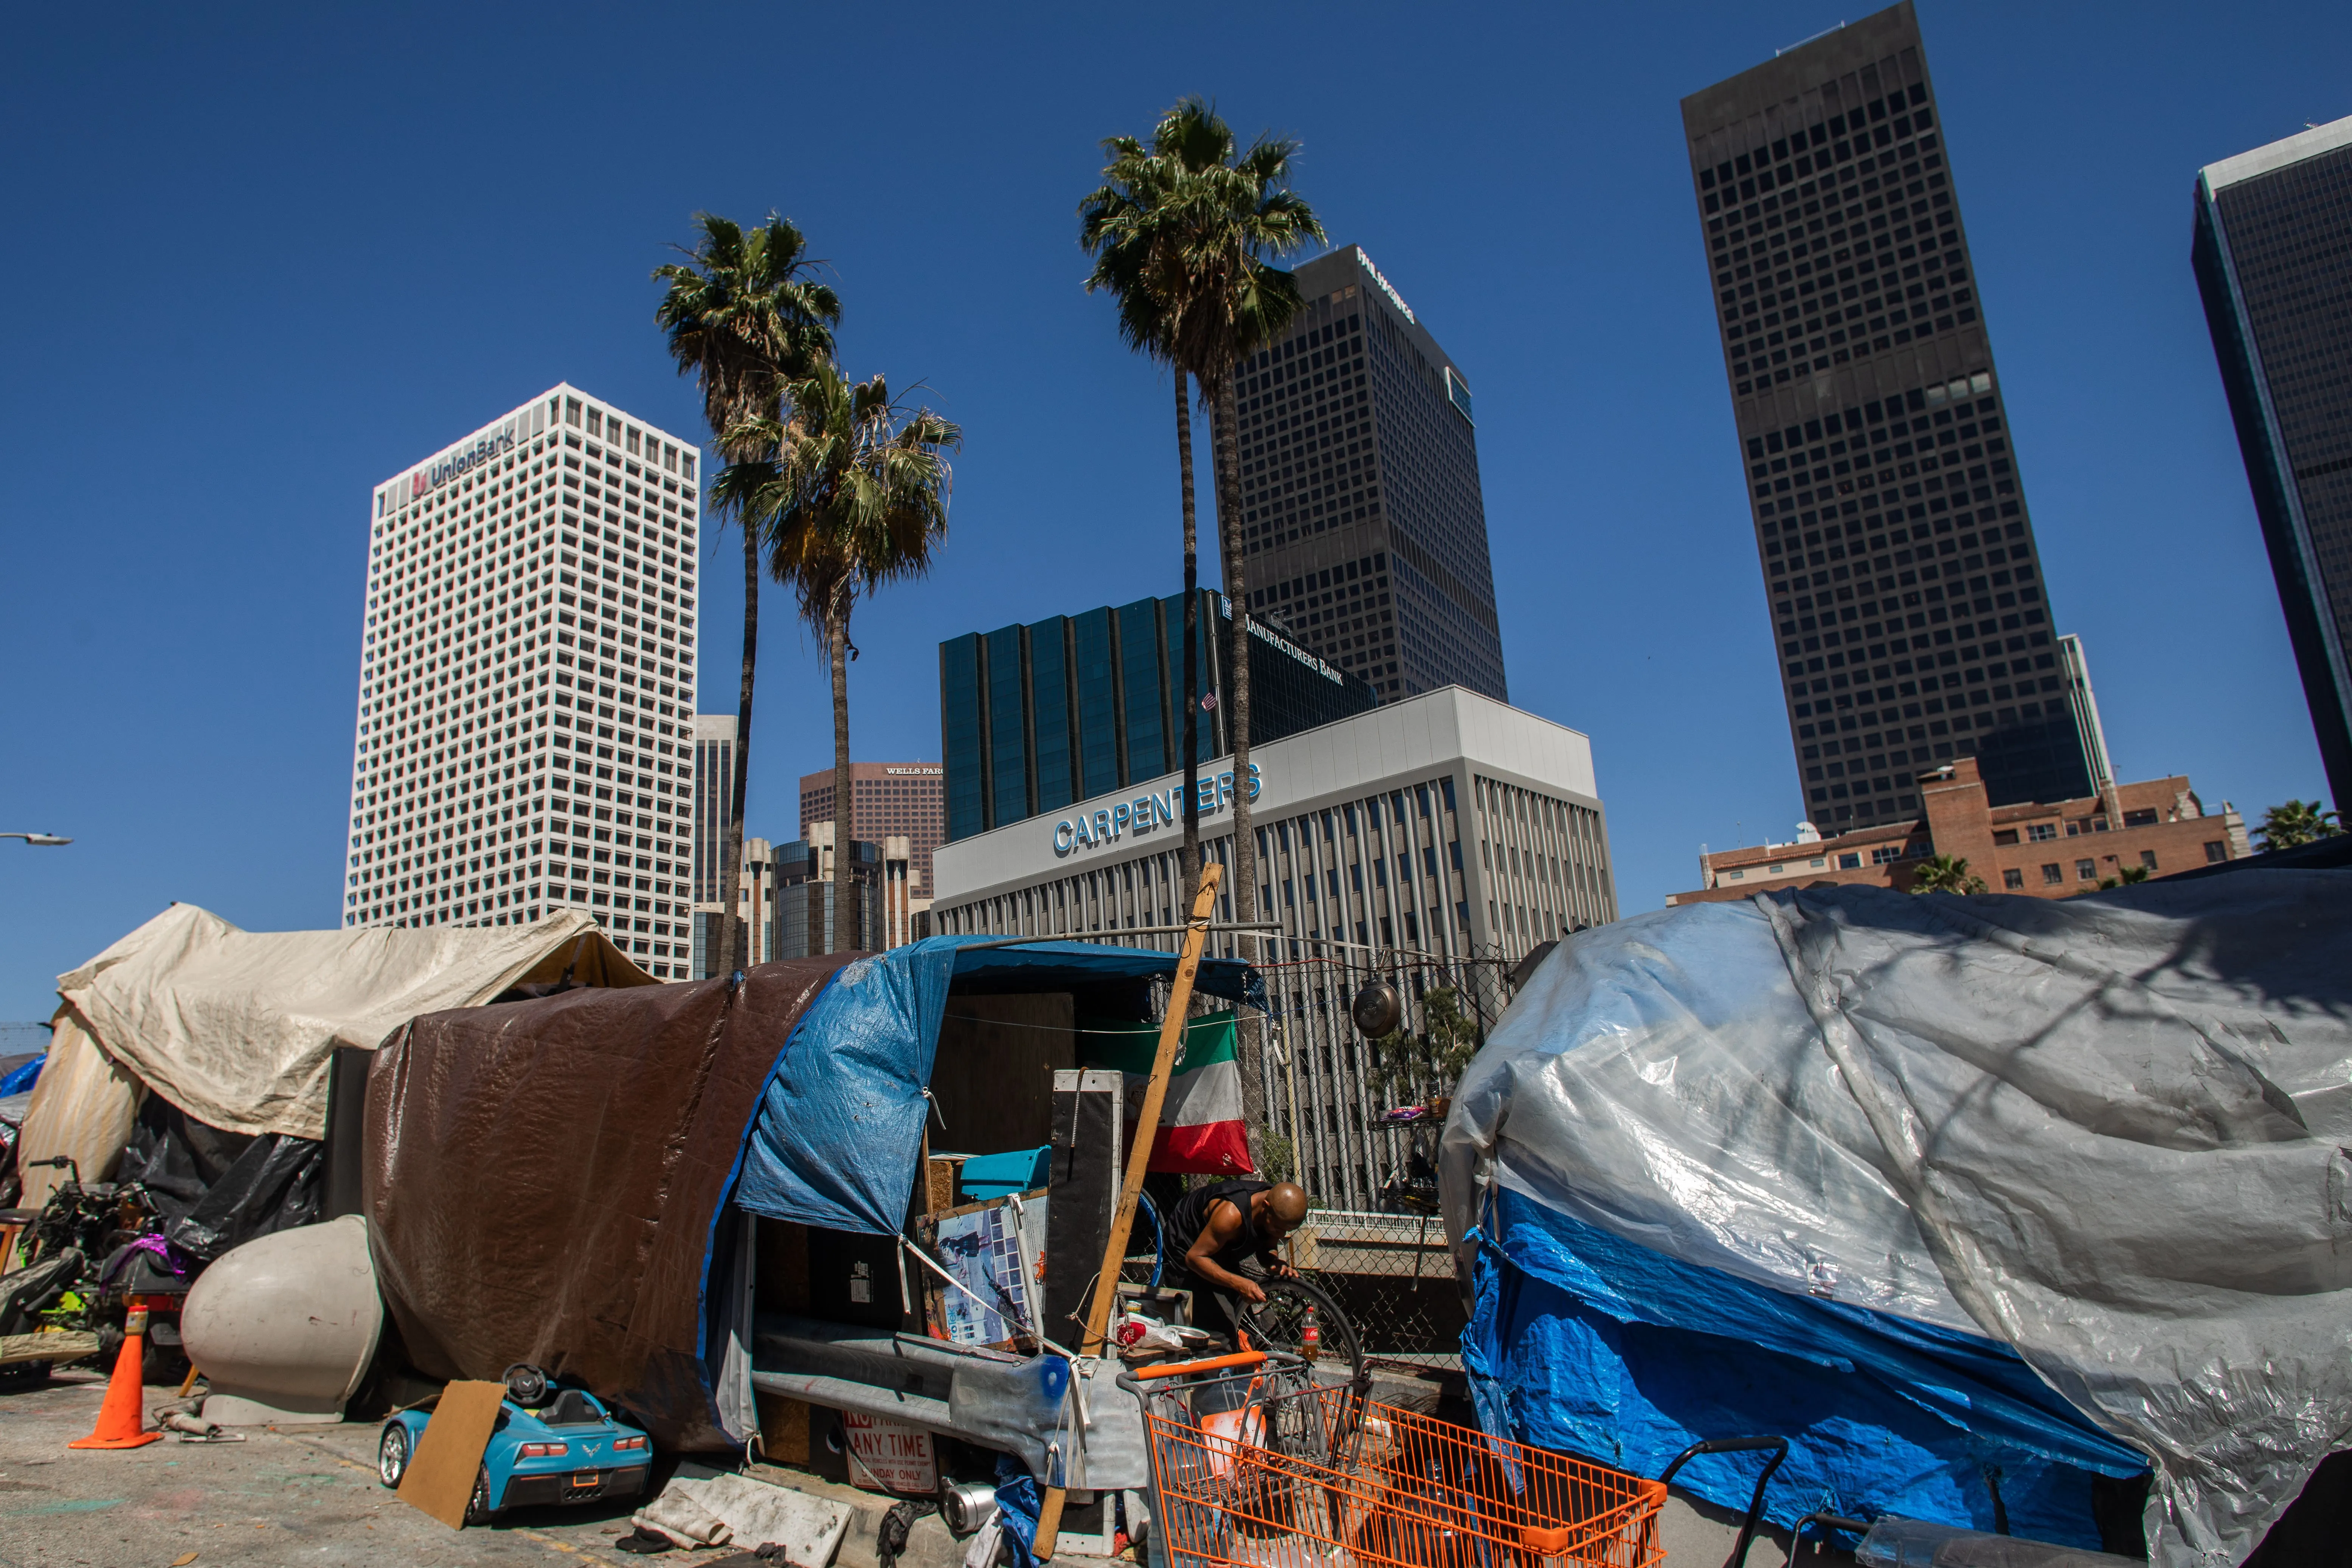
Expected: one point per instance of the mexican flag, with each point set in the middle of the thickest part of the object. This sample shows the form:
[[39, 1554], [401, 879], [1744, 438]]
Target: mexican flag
[[1201, 1122]]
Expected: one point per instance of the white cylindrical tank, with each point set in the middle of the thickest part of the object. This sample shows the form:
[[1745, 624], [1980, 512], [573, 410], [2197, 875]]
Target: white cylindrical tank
[[283, 1327]]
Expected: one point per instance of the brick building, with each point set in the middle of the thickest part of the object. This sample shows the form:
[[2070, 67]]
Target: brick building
[[2051, 850], [908, 799]]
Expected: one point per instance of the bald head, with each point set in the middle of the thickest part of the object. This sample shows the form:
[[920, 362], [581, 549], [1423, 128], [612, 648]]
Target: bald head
[[1285, 1204]]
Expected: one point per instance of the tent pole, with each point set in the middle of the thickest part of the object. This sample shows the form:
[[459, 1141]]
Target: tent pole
[[1147, 1132]]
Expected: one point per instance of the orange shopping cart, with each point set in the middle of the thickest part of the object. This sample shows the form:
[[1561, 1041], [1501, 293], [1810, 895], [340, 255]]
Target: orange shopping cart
[[1254, 1462]]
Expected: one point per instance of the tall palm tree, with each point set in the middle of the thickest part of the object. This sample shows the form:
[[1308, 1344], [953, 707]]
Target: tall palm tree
[[745, 316], [1238, 212], [851, 495], [1132, 224], [1180, 231]]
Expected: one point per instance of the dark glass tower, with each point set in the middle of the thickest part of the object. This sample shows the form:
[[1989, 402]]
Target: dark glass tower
[[1362, 519], [1904, 592], [2273, 256], [1035, 717]]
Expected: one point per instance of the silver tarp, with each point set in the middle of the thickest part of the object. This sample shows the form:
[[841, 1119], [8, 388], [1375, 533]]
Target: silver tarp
[[2109, 1131]]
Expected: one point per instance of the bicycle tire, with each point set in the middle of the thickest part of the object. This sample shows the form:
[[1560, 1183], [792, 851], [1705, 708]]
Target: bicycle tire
[[1276, 1323]]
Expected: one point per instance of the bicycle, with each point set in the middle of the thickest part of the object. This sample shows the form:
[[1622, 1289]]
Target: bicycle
[[89, 1253], [1279, 1324]]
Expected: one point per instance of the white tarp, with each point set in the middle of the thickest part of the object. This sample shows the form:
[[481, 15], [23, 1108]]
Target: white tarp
[[239, 1029], [83, 1106], [2111, 1132]]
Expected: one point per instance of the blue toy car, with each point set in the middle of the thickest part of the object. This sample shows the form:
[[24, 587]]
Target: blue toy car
[[550, 1446]]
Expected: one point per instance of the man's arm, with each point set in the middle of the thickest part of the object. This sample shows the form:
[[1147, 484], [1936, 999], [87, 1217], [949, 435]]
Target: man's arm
[[1225, 1224]]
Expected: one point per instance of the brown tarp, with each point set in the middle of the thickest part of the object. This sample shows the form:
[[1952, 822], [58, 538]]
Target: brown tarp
[[542, 1177]]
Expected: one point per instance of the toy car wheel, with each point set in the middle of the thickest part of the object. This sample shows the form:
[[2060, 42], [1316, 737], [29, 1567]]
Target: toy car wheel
[[392, 1454], [477, 1507]]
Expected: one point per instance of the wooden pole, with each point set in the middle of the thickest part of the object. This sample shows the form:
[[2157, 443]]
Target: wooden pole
[[1147, 1132]]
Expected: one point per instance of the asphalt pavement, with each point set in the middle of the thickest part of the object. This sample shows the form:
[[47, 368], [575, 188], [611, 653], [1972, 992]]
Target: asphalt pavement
[[286, 1496]]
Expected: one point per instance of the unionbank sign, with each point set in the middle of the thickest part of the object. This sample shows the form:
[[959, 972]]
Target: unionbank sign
[[433, 476], [1146, 813]]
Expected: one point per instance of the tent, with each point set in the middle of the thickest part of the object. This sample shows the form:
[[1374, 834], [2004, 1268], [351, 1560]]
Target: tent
[[1992, 1205], [550, 1181], [238, 1029]]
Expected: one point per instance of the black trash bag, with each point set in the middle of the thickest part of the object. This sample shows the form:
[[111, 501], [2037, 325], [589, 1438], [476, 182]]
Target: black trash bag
[[218, 1190]]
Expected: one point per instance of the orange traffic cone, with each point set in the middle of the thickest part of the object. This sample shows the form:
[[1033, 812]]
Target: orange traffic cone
[[119, 1419]]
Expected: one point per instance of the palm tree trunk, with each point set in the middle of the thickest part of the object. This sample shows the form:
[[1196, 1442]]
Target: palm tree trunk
[[734, 948], [1190, 859], [1224, 426], [844, 859]]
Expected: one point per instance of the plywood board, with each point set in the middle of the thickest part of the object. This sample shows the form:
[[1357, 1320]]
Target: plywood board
[[939, 1172], [783, 1429], [440, 1476], [993, 1077], [780, 1283]]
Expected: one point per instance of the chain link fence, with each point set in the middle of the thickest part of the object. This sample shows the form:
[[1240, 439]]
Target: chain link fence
[[1394, 1277], [1357, 1120], [1340, 1109]]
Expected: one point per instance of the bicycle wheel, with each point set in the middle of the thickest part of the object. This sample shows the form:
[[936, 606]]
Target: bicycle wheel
[[1279, 1323]]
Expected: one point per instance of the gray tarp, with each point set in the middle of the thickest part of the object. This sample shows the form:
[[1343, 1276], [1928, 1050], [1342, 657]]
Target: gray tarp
[[2109, 1131]]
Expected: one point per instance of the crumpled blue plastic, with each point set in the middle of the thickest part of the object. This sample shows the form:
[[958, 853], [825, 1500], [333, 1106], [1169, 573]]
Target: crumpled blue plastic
[[1017, 1504], [1585, 1343], [839, 1129]]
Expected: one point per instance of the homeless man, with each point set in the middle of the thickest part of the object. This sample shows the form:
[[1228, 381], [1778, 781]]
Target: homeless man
[[1218, 1228]]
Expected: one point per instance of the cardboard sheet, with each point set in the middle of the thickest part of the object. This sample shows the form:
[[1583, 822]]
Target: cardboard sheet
[[439, 1480]]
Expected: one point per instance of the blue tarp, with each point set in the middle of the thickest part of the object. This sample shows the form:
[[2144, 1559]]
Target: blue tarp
[[21, 1079], [840, 1125], [1583, 1341], [1848, 1165]]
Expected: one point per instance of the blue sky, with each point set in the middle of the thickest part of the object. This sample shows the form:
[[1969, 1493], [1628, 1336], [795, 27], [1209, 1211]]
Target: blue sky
[[264, 259]]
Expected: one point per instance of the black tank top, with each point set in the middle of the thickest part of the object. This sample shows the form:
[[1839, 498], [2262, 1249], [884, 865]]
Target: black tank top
[[1192, 1217]]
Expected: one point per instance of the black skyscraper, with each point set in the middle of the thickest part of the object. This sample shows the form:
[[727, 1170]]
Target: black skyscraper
[[2273, 256], [1906, 596], [1361, 513]]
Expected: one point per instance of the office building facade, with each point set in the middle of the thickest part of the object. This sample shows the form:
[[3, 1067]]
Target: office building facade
[[1419, 841], [1035, 717], [526, 703], [1363, 524], [714, 798], [804, 875], [905, 799], [1446, 825], [714, 794], [1911, 617], [2274, 258]]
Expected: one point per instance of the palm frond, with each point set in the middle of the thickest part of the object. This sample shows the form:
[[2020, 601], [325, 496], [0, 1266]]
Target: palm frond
[[1183, 232]]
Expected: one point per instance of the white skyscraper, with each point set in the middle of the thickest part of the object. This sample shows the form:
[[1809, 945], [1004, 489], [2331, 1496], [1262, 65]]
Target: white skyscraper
[[526, 704]]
